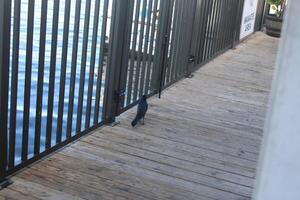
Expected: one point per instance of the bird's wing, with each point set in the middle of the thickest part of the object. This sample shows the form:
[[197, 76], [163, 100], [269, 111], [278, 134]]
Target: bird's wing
[[139, 114]]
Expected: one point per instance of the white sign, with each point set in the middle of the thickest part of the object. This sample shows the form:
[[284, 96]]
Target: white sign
[[248, 19]]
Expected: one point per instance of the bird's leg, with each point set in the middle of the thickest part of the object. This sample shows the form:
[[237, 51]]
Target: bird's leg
[[143, 122]]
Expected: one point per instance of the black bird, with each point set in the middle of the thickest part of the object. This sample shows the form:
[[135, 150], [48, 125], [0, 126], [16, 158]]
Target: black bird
[[141, 111]]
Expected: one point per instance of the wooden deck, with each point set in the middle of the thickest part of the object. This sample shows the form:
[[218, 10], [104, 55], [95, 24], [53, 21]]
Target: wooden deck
[[200, 141]]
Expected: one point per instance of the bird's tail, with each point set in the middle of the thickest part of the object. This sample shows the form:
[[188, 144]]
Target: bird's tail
[[134, 122]]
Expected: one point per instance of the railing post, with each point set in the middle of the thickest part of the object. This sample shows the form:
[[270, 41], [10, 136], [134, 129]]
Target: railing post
[[5, 13], [166, 28], [238, 21], [114, 65], [162, 39]]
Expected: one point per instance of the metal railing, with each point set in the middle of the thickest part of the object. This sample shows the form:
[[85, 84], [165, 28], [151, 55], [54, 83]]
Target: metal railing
[[259, 21], [69, 66]]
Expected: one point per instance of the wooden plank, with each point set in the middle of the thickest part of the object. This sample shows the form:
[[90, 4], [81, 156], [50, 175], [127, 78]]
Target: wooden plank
[[15, 194], [163, 179], [173, 147], [38, 191], [79, 184], [206, 127], [119, 180], [163, 158], [182, 163], [199, 141]]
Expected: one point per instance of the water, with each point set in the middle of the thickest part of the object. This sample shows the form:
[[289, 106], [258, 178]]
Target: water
[[34, 74]]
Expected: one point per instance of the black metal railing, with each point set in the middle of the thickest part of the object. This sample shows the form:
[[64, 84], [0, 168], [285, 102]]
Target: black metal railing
[[259, 21], [69, 66]]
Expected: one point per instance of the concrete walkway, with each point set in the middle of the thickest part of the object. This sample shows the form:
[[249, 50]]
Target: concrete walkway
[[200, 141]]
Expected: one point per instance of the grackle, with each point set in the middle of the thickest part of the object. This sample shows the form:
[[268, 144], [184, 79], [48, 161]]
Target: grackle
[[141, 111]]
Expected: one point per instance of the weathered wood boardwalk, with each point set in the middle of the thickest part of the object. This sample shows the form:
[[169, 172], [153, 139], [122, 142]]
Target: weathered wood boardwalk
[[200, 141]]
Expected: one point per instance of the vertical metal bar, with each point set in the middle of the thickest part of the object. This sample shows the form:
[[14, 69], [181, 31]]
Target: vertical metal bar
[[199, 23], [5, 14], [92, 64], [208, 28], [240, 15], [109, 96], [101, 60], [152, 39], [171, 44], [28, 69], [189, 20], [235, 22], [166, 28], [183, 56], [139, 53], [204, 21], [224, 33], [169, 55], [259, 14], [14, 83], [183, 26], [145, 51], [196, 30], [234, 11], [83, 64], [73, 72], [238, 20], [262, 22], [133, 51], [230, 37], [179, 39], [39, 98], [221, 27], [200, 8], [167, 31], [159, 48], [192, 7], [125, 58], [215, 26], [174, 41], [179, 31], [218, 27], [226, 22], [159, 45], [52, 70], [114, 65], [234, 18], [62, 81]]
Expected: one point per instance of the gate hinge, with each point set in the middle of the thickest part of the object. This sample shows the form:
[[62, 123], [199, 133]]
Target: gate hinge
[[165, 41], [191, 59], [119, 99], [119, 94]]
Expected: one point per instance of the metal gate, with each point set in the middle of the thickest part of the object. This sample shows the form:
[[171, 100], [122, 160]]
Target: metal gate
[[155, 46], [216, 28], [55, 65]]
